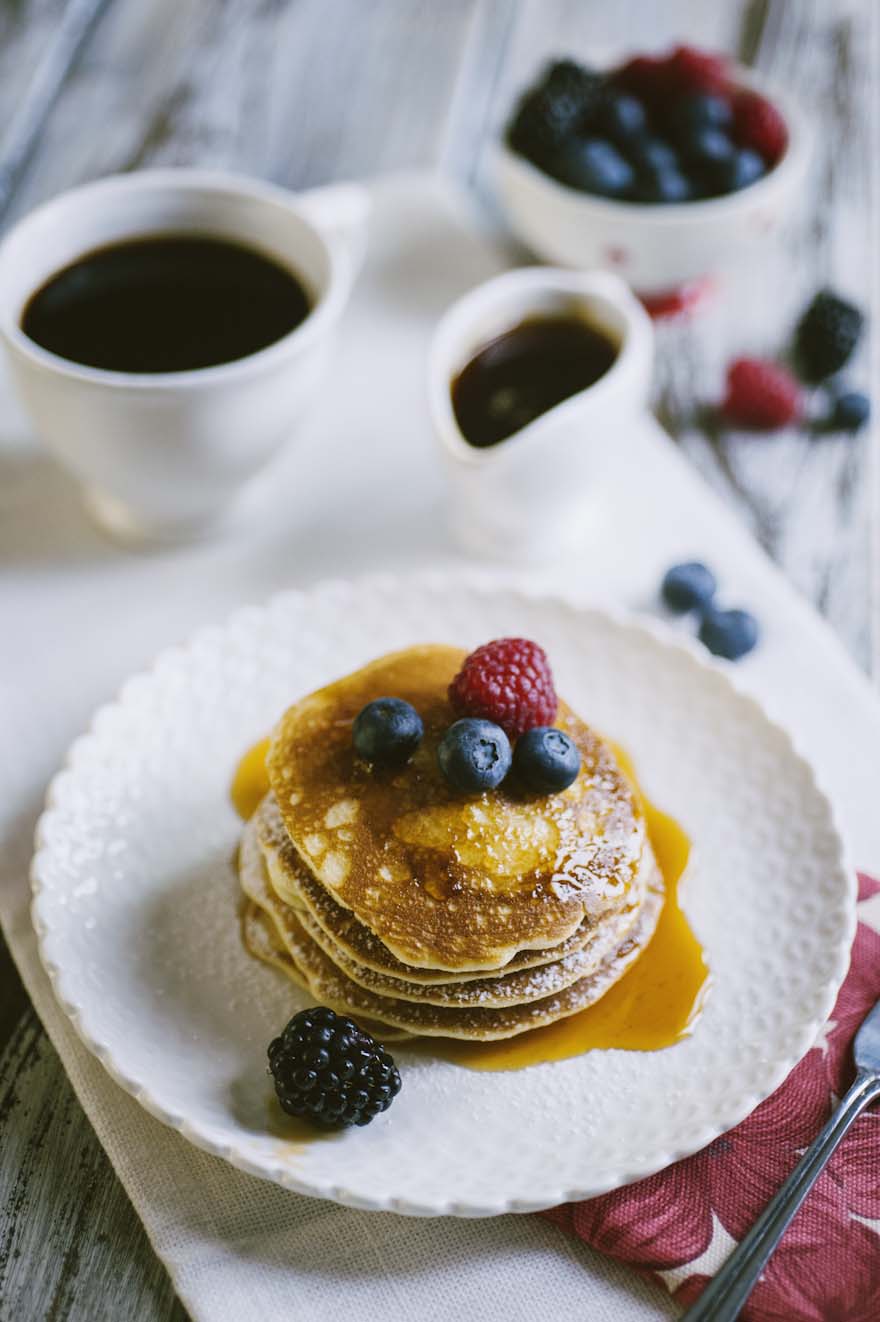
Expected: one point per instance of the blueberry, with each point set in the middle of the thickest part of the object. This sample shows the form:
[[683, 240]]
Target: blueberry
[[701, 110], [546, 759], [667, 184], [688, 587], [730, 634], [650, 153], [850, 411], [595, 166], [474, 755], [621, 117], [708, 147], [387, 731], [739, 170]]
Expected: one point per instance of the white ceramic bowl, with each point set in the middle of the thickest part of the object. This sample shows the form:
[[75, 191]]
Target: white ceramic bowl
[[530, 496], [164, 456], [656, 248]]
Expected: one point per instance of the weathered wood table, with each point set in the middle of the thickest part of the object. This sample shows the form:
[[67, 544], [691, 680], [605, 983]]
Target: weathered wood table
[[306, 91]]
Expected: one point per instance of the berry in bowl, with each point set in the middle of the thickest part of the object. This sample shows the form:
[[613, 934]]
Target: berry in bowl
[[664, 168]]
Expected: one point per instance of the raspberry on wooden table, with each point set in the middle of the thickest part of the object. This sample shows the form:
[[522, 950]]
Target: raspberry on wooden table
[[761, 394], [507, 681]]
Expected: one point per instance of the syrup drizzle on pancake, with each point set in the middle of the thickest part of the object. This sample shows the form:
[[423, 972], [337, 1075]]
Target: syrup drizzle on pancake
[[655, 1004]]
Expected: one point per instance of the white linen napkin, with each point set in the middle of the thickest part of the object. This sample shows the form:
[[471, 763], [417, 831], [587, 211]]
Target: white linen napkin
[[364, 491]]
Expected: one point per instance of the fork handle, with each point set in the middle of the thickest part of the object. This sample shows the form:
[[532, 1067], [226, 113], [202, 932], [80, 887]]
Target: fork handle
[[726, 1294]]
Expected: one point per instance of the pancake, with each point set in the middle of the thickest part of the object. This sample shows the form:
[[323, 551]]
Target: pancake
[[263, 940], [510, 986], [332, 987], [295, 885], [446, 882]]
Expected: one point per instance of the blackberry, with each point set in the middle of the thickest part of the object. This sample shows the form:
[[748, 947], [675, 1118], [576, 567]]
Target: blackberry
[[541, 126], [550, 114], [584, 88], [826, 335], [331, 1072]]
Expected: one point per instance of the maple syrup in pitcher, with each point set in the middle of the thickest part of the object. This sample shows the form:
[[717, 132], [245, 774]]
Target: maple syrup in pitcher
[[526, 372], [165, 303]]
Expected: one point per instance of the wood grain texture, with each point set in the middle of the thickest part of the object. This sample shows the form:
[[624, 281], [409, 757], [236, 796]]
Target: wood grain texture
[[305, 91]]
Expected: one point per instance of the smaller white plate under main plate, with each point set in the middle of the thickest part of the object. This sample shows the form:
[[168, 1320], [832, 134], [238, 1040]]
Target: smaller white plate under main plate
[[136, 907]]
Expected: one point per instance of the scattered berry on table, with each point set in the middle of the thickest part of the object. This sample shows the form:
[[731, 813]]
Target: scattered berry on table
[[595, 166], [508, 681], [850, 410], [728, 633], [387, 731], [688, 587], [761, 394], [329, 1071], [759, 125], [692, 70], [826, 335], [474, 755], [546, 760]]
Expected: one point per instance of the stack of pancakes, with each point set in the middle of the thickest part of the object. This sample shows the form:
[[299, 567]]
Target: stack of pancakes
[[417, 910]]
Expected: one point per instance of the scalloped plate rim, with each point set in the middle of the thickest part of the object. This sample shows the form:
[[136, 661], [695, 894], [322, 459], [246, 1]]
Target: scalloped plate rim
[[476, 580]]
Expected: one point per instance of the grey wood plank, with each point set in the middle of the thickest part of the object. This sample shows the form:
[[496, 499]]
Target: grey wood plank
[[70, 1244], [295, 90]]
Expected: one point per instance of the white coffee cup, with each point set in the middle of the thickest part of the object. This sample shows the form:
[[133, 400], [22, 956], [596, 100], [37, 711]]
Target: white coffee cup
[[165, 456], [530, 496]]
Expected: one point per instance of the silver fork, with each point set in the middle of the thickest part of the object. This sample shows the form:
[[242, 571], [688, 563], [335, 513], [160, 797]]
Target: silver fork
[[723, 1298]]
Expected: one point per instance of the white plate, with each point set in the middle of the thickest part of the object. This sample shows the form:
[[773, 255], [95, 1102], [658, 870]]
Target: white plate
[[135, 907]]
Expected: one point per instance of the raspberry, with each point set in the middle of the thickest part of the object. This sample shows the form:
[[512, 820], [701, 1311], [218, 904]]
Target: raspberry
[[761, 394], [508, 681], [645, 76], [758, 124], [692, 70]]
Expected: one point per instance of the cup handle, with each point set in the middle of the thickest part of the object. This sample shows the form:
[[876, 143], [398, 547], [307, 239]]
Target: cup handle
[[340, 212]]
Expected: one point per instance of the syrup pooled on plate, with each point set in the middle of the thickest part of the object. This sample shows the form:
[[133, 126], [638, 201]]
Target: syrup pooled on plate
[[251, 781], [526, 372], [654, 1005]]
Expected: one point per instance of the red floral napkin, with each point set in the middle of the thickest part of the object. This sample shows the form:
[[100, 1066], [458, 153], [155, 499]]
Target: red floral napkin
[[679, 1225]]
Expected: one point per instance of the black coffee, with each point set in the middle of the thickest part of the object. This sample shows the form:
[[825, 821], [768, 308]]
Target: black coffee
[[167, 303], [527, 371]]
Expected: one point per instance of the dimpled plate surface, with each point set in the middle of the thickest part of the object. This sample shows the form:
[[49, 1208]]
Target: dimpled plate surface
[[136, 906]]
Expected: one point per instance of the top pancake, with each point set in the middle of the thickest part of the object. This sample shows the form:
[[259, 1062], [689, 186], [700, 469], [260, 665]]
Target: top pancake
[[447, 881]]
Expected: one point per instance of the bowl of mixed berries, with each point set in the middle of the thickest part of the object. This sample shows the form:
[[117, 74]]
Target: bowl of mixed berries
[[665, 167]]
